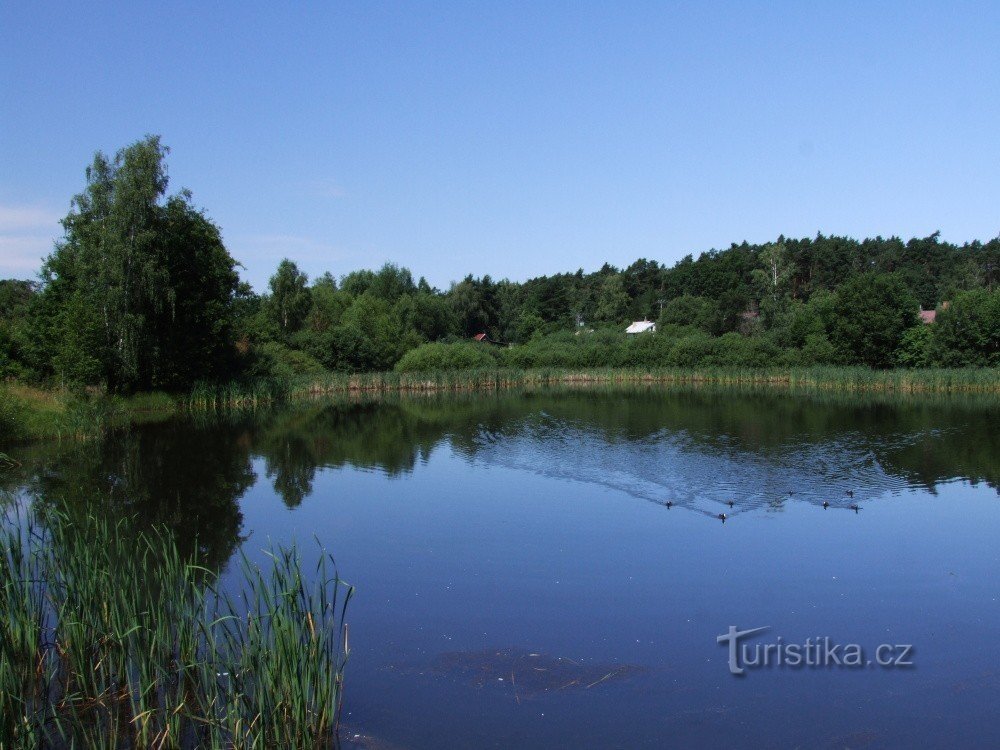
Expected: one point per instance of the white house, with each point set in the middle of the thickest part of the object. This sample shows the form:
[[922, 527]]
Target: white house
[[641, 326]]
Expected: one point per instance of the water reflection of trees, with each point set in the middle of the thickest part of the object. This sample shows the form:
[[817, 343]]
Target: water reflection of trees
[[187, 480], [190, 476], [920, 441], [387, 436]]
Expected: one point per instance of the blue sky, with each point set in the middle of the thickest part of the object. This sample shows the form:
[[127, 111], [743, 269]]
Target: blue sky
[[513, 139]]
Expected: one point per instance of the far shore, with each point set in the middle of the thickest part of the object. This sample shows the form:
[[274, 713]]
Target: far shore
[[30, 412]]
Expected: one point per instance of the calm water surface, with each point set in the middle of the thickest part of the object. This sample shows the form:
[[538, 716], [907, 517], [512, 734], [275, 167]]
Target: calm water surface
[[522, 582]]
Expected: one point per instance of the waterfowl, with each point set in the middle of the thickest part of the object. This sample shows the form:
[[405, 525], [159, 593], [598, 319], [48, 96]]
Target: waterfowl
[[855, 507], [670, 503], [850, 493], [826, 504], [722, 517], [731, 503]]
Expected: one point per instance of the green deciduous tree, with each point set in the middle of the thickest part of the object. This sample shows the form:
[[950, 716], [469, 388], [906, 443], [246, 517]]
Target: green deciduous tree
[[612, 301], [327, 304], [16, 298], [967, 331], [690, 310], [290, 300], [474, 304], [915, 348], [874, 310], [139, 292]]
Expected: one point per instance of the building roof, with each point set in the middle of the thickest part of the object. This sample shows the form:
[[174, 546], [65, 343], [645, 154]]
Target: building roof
[[928, 316], [641, 326], [480, 337]]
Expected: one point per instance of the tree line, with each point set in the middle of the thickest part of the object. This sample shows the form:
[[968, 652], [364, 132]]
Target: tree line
[[141, 293]]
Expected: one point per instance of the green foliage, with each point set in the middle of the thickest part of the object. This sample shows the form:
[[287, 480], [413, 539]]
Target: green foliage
[[391, 282], [915, 348], [529, 326], [289, 302], [373, 336], [817, 350], [874, 310], [139, 293], [772, 280], [967, 331], [20, 417], [475, 306], [438, 357], [429, 315], [691, 351], [613, 301], [801, 320], [326, 305], [690, 310], [674, 347], [112, 637], [16, 298], [276, 360]]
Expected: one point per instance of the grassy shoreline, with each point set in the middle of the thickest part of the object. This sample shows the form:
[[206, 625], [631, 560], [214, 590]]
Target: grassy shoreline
[[30, 413], [842, 379], [112, 638]]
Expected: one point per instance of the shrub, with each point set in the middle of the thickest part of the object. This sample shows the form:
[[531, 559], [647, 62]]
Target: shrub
[[688, 310], [645, 350], [915, 348], [874, 310], [459, 356], [691, 351], [817, 350], [735, 350], [967, 332], [276, 360]]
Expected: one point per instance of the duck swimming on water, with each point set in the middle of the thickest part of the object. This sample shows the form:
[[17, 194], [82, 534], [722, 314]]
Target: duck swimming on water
[[723, 517], [826, 504], [855, 507]]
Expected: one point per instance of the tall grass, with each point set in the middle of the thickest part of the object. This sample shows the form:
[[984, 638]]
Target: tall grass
[[212, 396], [110, 638], [806, 379], [28, 413]]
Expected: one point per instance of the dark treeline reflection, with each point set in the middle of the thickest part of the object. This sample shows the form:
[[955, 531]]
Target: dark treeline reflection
[[921, 441], [190, 474], [188, 480], [390, 436]]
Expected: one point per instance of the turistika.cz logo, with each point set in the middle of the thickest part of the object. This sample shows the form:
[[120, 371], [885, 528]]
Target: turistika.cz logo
[[820, 652]]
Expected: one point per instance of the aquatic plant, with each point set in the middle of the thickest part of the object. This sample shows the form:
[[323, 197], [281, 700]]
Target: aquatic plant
[[793, 380], [29, 413], [112, 639]]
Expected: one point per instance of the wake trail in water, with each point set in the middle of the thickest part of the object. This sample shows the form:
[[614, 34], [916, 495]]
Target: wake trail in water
[[705, 475]]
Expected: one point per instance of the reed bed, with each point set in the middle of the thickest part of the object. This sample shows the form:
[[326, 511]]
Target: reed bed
[[29, 413], [812, 379], [111, 639]]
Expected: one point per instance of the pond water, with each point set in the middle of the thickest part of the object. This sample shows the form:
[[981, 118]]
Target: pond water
[[549, 569]]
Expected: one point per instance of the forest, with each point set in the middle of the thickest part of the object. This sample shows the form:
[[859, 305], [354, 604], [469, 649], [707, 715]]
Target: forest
[[141, 294]]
